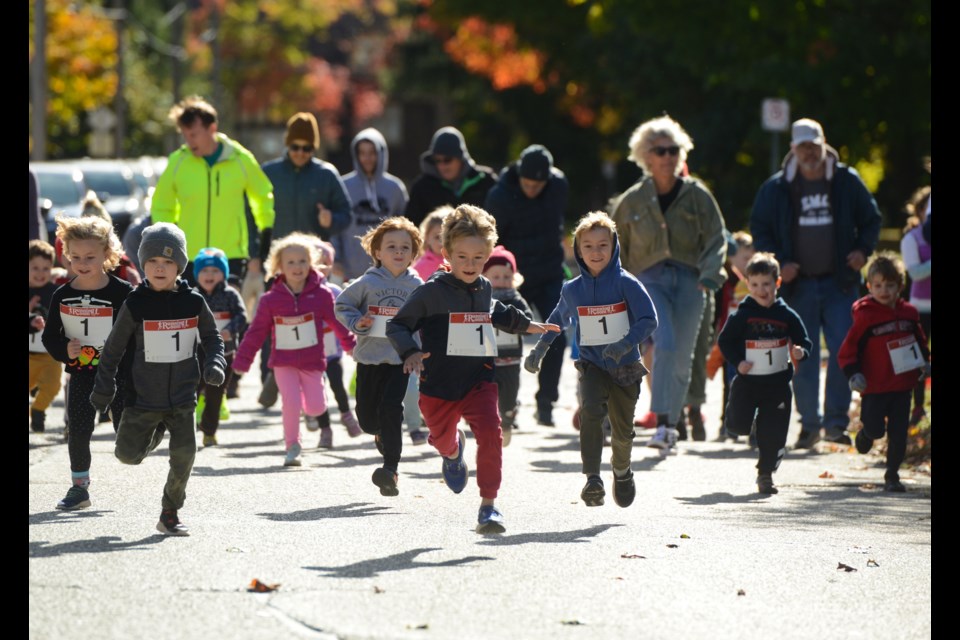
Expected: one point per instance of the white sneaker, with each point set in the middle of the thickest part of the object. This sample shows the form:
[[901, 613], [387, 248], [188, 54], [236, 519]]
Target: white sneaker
[[293, 456], [664, 438], [310, 422]]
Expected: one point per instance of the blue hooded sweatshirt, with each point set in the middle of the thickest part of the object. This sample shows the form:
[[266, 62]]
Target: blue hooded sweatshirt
[[611, 286]]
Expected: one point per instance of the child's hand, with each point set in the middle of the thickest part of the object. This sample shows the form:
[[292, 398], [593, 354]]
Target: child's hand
[[542, 327], [365, 321], [37, 323], [73, 349], [226, 335], [414, 362], [744, 367], [797, 352]]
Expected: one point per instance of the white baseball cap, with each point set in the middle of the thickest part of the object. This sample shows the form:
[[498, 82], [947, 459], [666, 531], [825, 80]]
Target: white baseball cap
[[807, 130]]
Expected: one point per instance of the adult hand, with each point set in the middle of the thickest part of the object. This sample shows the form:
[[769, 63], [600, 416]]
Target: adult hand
[[856, 259], [325, 216], [789, 272], [73, 349], [858, 382], [744, 367]]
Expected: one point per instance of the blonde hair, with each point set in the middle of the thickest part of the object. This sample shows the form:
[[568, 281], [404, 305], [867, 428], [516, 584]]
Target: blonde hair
[[295, 240], [743, 239], [90, 228], [641, 141], [916, 208], [371, 240], [594, 220], [469, 221], [92, 206], [433, 219], [325, 249]]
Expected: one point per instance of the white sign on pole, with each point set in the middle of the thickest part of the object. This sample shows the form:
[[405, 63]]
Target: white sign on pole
[[775, 114]]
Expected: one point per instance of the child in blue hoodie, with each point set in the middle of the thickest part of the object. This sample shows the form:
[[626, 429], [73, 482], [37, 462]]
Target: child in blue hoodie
[[614, 314]]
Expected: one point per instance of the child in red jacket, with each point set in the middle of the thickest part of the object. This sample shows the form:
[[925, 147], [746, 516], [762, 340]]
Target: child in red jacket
[[884, 354]]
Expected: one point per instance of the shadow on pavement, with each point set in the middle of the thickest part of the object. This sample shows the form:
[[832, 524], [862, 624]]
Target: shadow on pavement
[[723, 454], [724, 498], [557, 537], [48, 517], [397, 562], [351, 510], [243, 471], [100, 544]]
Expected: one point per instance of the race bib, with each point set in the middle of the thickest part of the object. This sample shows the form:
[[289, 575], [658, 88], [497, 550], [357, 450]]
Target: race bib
[[36, 344], [89, 325], [506, 340], [767, 356], [329, 341], [905, 354], [603, 324], [471, 334], [381, 315], [296, 332], [169, 340], [222, 318]]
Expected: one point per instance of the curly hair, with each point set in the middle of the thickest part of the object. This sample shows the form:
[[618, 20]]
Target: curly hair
[[90, 228], [372, 239]]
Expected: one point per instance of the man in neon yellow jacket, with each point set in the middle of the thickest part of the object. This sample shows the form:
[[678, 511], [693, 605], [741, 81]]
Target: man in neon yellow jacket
[[202, 188]]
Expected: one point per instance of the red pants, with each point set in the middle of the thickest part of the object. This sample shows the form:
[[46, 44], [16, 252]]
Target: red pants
[[479, 409]]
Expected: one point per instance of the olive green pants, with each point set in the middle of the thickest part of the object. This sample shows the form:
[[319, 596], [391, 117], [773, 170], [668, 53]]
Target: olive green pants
[[600, 396]]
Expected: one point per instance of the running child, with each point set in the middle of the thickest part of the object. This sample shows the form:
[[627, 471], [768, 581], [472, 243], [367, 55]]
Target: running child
[[453, 313], [45, 372]]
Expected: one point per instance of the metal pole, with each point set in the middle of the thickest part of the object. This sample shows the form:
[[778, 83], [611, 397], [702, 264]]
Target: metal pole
[[119, 102], [775, 152], [38, 82]]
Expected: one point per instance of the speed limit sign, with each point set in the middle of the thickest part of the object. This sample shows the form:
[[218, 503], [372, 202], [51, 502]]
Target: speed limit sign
[[775, 114]]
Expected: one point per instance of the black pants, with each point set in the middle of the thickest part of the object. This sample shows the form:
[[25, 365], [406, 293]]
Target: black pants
[[380, 391], [770, 403], [210, 419], [508, 387], [335, 378], [83, 417], [888, 412], [920, 390], [544, 297]]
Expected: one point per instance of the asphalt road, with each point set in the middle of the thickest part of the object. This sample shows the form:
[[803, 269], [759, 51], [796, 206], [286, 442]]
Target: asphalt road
[[700, 554]]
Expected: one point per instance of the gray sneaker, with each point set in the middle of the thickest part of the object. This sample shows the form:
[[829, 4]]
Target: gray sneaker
[[293, 456]]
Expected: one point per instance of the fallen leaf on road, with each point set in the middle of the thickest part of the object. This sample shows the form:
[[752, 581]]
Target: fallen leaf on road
[[741, 592], [846, 568], [377, 589], [418, 626], [235, 550], [572, 623], [868, 485], [618, 578], [872, 563], [262, 587], [684, 536], [671, 546], [632, 555], [825, 474]]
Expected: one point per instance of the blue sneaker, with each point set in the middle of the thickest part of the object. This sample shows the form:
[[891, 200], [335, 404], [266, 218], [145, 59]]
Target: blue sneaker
[[490, 520], [455, 471]]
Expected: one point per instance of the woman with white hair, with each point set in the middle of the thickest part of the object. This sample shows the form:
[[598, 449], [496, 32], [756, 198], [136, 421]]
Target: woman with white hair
[[671, 237]]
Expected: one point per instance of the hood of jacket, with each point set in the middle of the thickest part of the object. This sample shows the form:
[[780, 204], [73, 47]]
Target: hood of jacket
[[380, 144], [609, 272], [429, 167], [314, 280], [789, 163]]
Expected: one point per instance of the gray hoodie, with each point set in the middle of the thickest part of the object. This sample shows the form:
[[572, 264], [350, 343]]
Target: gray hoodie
[[377, 287], [373, 200]]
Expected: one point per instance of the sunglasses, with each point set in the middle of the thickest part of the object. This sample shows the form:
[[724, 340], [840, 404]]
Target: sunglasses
[[443, 159], [305, 148], [662, 151]]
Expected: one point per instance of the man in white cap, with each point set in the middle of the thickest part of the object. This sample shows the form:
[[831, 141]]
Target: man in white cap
[[820, 221]]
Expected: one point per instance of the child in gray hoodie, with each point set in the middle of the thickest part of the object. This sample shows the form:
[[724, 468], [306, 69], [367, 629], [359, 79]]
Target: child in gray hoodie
[[364, 307]]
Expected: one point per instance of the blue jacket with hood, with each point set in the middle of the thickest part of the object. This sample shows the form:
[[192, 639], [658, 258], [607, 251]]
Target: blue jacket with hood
[[612, 285], [373, 199]]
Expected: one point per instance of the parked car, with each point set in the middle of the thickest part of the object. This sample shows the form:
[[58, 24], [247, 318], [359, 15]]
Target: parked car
[[61, 191], [112, 181]]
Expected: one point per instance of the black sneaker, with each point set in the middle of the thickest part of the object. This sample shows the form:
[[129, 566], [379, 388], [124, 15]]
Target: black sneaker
[[696, 424], [863, 442], [76, 498], [386, 479], [891, 482], [545, 414], [624, 489], [681, 427], [765, 484], [269, 392], [592, 493], [233, 387], [807, 439], [837, 437], [170, 524], [37, 421]]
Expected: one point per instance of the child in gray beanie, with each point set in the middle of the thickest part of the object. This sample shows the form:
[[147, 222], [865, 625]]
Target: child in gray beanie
[[166, 318]]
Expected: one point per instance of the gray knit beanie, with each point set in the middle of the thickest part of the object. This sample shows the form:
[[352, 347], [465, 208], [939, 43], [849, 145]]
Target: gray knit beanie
[[164, 240]]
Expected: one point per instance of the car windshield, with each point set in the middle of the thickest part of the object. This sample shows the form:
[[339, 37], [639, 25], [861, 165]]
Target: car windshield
[[59, 188], [105, 181]]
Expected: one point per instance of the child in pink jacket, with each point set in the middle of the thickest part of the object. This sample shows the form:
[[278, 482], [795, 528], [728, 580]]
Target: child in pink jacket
[[293, 313]]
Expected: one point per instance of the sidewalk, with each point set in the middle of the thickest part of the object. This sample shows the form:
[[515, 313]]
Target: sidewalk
[[700, 554]]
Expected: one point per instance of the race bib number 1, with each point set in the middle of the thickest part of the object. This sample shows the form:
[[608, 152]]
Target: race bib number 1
[[767, 356], [222, 318], [471, 334], [603, 324], [297, 332], [905, 354], [380, 317], [89, 325], [169, 340]]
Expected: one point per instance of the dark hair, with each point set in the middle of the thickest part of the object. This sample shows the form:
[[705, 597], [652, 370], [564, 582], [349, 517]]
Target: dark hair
[[763, 264], [888, 266], [188, 110]]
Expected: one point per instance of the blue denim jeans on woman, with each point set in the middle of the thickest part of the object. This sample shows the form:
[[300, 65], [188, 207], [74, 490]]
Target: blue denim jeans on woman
[[823, 306], [679, 303]]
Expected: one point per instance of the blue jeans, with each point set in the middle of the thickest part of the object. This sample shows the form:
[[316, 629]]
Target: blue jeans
[[679, 303], [823, 306]]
